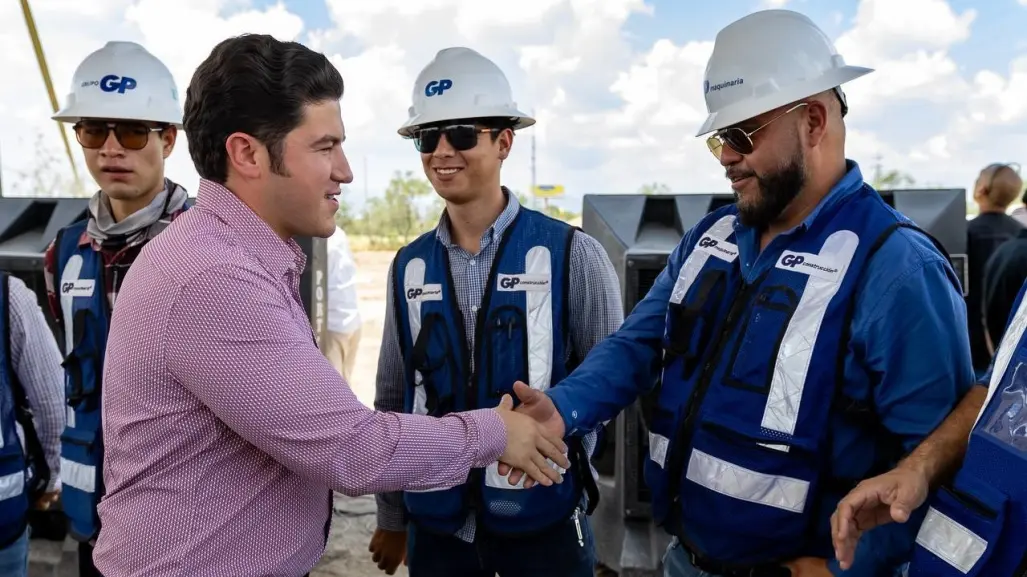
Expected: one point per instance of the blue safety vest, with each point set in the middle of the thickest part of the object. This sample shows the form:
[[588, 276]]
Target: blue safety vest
[[977, 524], [85, 312], [521, 334], [24, 473], [741, 436]]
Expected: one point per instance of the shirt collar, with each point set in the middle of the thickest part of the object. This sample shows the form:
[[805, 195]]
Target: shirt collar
[[257, 237], [498, 227], [851, 183]]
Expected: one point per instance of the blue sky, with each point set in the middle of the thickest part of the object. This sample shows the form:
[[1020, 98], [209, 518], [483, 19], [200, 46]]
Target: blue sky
[[943, 102]]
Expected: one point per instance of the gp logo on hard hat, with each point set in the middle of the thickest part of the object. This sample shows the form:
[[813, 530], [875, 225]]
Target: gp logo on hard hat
[[437, 87], [115, 83]]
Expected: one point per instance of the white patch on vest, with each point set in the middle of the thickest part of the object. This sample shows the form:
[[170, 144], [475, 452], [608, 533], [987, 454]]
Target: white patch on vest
[[795, 354], [696, 260], [523, 282], [12, 485], [423, 293], [820, 266], [70, 275], [720, 248], [413, 280], [658, 445], [78, 475], [949, 541], [536, 282]]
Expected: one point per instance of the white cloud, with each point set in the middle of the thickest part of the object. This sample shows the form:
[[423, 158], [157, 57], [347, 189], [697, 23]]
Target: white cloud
[[611, 116]]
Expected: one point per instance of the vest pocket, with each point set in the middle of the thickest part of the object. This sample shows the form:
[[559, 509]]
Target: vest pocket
[[755, 351], [962, 529], [432, 359], [79, 459], [80, 391], [737, 488], [690, 323], [506, 351]]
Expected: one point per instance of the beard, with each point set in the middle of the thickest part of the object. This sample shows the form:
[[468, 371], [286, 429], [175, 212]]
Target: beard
[[776, 191]]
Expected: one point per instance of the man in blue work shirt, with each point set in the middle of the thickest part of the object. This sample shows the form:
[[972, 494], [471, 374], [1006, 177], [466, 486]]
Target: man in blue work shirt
[[807, 334], [495, 293]]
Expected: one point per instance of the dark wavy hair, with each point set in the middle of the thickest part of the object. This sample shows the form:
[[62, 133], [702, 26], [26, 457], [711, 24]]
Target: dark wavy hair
[[257, 85]]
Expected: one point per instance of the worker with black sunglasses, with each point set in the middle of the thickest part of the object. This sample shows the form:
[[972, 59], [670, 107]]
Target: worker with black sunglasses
[[125, 110], [496, 293], [801, 339]]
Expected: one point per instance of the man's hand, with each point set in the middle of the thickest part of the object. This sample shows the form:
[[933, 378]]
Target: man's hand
[[876, 501], [389, 549], [809, 567], [540, 407], [46, 500], [528, 444]]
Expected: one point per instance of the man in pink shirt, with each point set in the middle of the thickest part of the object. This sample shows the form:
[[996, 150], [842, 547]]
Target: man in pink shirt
[[225, 428]]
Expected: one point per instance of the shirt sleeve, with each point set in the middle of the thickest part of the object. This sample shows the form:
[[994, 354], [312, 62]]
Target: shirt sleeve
[[596, 306], [911, 310], [388, 396], [49, 274], [624, 365], [37, 363], [265, 378]]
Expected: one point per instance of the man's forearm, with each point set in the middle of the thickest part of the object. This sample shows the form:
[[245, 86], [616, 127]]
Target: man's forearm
[[939, 456]]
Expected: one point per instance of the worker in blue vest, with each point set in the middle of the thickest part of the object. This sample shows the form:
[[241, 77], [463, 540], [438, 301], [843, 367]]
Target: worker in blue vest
[[31, 420], [971, 471], [804, 337], [496, 293], [125, 111]]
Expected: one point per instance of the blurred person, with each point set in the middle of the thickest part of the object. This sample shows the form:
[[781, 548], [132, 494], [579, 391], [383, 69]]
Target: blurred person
[[788, 333], [124, 109], [495, 293], [225, 428], [31, 420], [996, 187], [1004, 275], [343, 336]]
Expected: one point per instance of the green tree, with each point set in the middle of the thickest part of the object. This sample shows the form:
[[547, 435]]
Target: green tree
[[400, 215], [654, 188], [890, 179]]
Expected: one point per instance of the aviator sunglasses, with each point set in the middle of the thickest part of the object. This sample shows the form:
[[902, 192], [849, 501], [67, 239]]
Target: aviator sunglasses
[[739, 140], [460, 136], [130, 135]]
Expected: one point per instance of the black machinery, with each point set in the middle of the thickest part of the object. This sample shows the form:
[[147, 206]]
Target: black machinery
[[28, 225], [638, 233]]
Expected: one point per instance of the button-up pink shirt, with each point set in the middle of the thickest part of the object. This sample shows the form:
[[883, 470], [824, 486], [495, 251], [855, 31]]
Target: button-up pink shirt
[[225, 427]]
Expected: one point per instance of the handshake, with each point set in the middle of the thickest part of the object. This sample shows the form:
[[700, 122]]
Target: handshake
[[534, 431]]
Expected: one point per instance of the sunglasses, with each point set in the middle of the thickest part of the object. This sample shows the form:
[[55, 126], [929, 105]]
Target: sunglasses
[[739, 140], [130, 135], [460, 136]]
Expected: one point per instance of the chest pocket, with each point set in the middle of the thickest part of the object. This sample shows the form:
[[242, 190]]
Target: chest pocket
[[752, 360], [506, 344], [690, 323]]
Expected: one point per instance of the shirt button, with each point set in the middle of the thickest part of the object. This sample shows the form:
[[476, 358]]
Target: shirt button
[[474, 309], [471, 262]]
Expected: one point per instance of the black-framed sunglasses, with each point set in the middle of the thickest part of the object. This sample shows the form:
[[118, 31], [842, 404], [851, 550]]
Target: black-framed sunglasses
[[460, 136], [130, 135], [739, 140]]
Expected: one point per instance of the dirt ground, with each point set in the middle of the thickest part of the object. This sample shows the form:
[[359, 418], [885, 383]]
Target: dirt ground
[[354, 521]]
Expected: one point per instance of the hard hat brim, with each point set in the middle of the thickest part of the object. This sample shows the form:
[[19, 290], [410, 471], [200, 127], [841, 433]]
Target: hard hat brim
[[521, 120], [750, 108], [73, 114]]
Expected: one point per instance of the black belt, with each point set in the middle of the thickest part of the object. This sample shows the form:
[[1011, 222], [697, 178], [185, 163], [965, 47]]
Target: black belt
[[725, 570]]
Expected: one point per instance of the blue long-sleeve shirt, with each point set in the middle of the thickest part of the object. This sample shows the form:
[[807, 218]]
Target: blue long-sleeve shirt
[[909, 352]]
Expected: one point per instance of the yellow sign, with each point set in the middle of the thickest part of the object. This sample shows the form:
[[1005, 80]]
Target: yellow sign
[[548, 190]]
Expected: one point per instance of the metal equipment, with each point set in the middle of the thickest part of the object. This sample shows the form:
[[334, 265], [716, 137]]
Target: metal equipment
[[28, 225], [638, 233]]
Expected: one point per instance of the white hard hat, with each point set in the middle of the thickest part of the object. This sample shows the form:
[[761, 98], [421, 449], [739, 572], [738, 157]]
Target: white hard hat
[[122, 81], [766, 60], [461, 83]]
